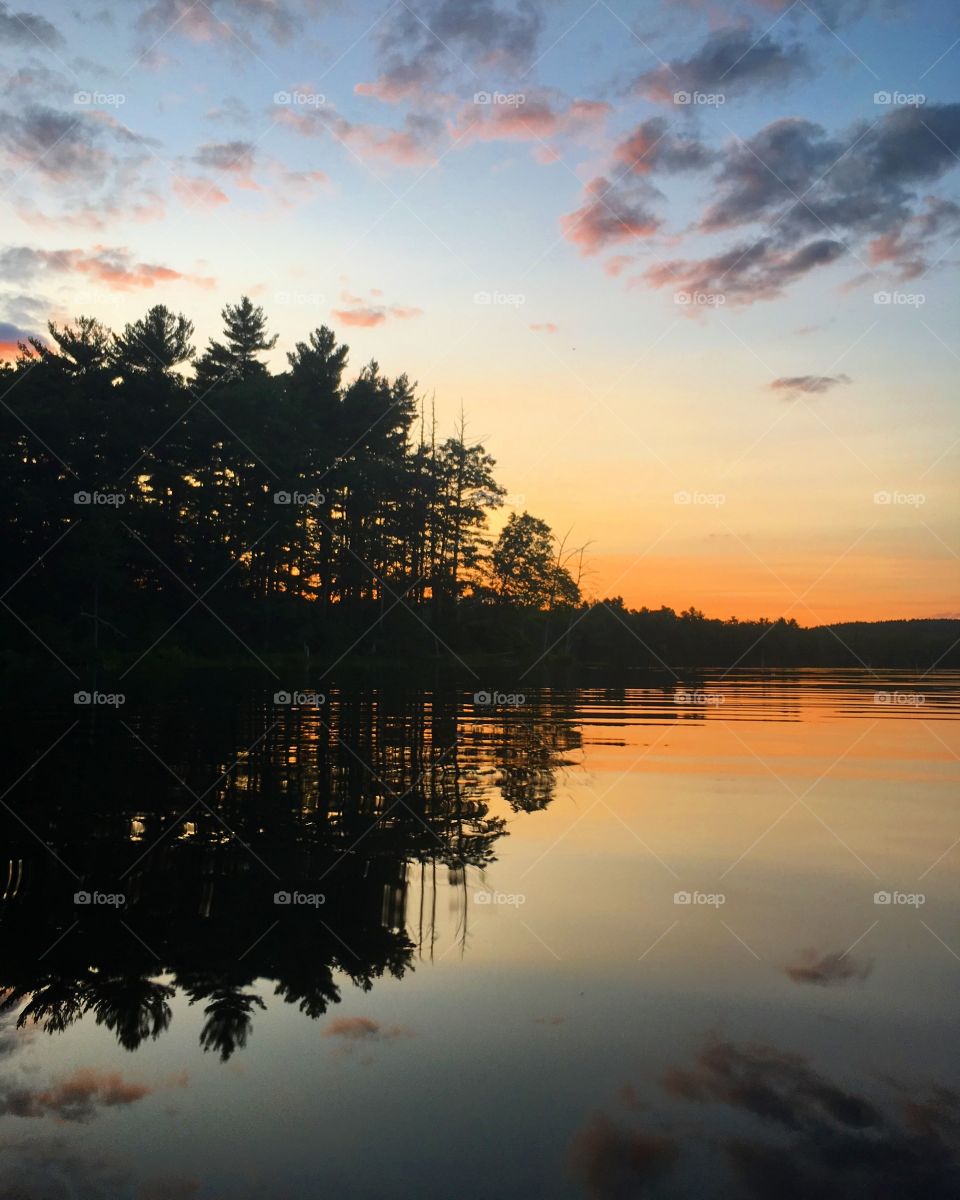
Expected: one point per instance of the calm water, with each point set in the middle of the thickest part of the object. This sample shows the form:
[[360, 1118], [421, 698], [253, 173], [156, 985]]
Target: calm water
[[606, 942]]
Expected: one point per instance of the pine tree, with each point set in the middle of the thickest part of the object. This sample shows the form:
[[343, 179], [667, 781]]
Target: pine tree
[[235, 359]]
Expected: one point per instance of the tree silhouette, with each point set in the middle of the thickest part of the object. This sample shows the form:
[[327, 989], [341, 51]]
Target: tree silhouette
[[235, 358]]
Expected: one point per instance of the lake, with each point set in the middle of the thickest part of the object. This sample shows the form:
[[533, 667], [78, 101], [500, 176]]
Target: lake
[[671, 938]]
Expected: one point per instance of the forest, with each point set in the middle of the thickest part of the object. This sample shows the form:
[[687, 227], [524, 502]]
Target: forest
[[173, 504]]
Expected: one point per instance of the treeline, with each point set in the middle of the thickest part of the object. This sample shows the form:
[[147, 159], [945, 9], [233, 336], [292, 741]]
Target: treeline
[[160, 503], [294, 506], [663, 640]]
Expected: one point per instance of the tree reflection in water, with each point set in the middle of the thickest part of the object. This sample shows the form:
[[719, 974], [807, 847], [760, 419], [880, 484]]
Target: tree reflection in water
[[198, 814]]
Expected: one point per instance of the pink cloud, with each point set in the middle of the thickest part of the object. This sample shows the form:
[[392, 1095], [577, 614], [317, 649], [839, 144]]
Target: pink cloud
[[546, 327], [109, 265], [534, 120], [617, 264], [367, 317], [607, 217], [197, 192], [408, 147]]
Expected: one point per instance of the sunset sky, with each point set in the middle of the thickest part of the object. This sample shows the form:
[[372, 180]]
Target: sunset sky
[[690, 268]]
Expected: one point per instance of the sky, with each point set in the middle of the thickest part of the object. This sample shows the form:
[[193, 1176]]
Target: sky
[[689, 268]]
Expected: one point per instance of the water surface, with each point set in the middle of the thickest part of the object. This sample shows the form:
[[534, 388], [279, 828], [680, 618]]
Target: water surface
[[686, 938]]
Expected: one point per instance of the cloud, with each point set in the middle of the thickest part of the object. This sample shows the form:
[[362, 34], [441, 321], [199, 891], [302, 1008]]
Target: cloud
[[86, 163], [538, 118], [748, 272], [546, 327], [617, 265], [905, 248], [811, 385], [223, 20], [237, 157], [10, 337], [111, 266], [415, 144], [827, 970], [445, 38], [610, 214], [613, 1163], [195, 191], [651, 147], [27, 29], [61, 146], [367, 317], [863, 182], [75, 1098], [363, 1029], [730, 62]]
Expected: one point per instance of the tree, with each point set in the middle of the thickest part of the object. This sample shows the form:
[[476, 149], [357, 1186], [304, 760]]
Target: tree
[[466, 491], [235, 358], [84, 346], [155, 344], [526, 568]]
